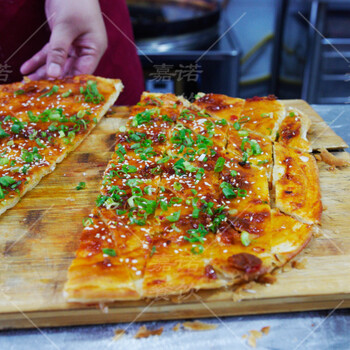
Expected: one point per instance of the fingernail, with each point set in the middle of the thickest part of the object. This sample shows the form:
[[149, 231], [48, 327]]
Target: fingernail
[[54, 70]]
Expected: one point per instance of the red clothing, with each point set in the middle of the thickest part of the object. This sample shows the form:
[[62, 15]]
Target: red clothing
[[20, 19]]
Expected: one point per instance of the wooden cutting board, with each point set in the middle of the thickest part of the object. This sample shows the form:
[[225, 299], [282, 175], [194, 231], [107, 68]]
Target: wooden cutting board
[[39, 236]]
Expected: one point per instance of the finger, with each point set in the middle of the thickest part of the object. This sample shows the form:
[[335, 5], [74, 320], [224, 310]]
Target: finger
[[60, 42], [35, 62], [68, 67], [87, 60], [39, 74]]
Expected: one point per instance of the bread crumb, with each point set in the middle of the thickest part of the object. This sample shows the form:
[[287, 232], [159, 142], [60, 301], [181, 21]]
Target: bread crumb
[[118, 333], [103, 308], [198, 326], [252, 341], [332, 160], [177, 327], [265, 330], [143, 332], [267, 279], [299, 265], [318, 157], [236, 297], [287, 268], [256, 334]]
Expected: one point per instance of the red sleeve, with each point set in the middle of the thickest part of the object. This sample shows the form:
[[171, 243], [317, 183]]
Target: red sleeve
[[120, 59], [23, 32]]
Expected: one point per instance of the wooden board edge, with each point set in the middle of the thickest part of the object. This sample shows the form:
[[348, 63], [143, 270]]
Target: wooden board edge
[[61, 318]]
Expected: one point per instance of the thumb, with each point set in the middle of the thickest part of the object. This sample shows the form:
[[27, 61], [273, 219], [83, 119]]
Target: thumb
[[60, 42]]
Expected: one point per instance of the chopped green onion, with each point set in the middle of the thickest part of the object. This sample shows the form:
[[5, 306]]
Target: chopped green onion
[[244, 119], [87, 222], [245, 239], [234, 173], [236, 125], [149, 190], [243, 133], [241, 192], [39, 143], [67, 93], [228, 190], [6, 181], [91, 93], [221, 122], [109, 251], [120, 212], [80, 186], [51, 92], [195, 213], [197, 249], [17, 126], [4, 161], [174, 216], [175, 200], [175, 228], [261, 162], [219, 166], [33, 118], [177, 186], [163, 205], [163, 160], [81, 114], [153, 250], [19, 92]]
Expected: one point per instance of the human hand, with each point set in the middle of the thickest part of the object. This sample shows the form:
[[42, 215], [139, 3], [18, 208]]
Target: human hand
[[77, 43]]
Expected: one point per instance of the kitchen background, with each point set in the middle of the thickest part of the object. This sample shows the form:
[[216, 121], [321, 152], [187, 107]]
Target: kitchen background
[[290, 48]]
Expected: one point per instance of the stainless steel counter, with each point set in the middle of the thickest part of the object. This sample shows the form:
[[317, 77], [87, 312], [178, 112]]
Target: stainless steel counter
[[304, 330]]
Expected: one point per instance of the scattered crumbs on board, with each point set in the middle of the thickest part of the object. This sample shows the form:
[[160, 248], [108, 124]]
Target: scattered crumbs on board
[[176, 327], [332, 160], [254, 335], [198, 326], [144, 332], [118, 333]]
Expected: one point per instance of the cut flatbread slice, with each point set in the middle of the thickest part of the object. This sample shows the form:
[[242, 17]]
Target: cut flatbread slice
[[243, 191], [220, 106], [173, 268], [293, 130], [263, 115], [284, 238], [253, 148], [296, 182], [97, 273], [43, 123]]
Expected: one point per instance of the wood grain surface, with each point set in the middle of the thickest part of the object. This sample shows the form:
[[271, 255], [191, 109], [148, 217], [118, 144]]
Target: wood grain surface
[[39, 236]]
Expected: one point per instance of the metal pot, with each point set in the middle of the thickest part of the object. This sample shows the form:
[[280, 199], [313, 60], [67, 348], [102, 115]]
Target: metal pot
[[166, 25]]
